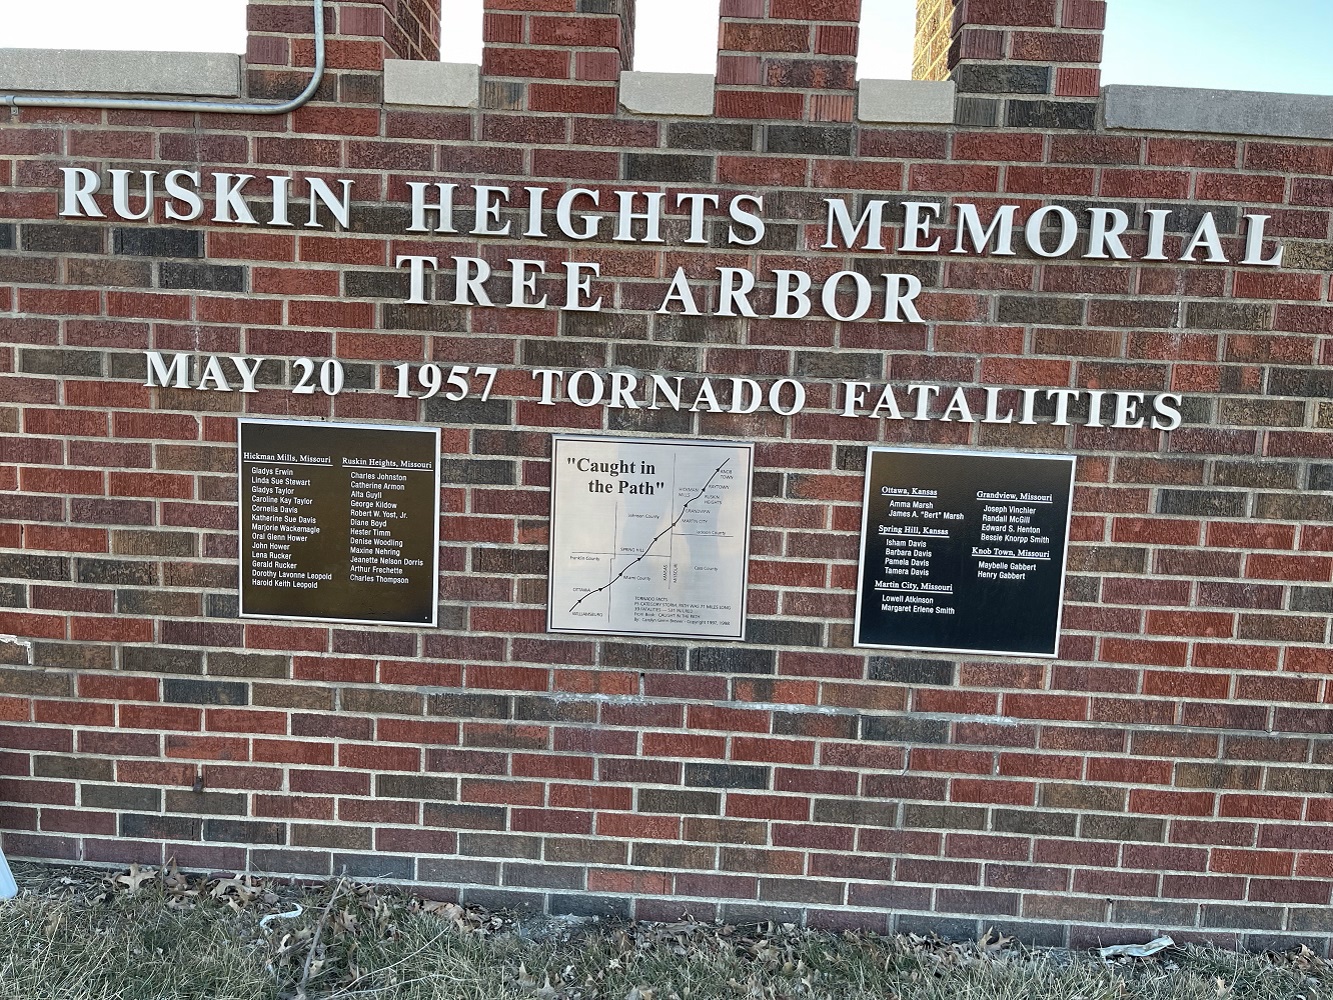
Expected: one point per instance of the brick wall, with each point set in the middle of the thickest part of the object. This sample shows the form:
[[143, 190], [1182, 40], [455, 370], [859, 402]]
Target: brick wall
[[1033, 63], [1171, 770], [934, 30], [555, 55], [360, 35], [787, 59]]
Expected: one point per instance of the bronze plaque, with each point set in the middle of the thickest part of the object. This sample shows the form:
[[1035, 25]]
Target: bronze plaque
[[339, 522]]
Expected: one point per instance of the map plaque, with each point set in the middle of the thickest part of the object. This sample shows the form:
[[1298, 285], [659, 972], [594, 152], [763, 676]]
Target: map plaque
[[963, 551], [649, 537], [339, 522]]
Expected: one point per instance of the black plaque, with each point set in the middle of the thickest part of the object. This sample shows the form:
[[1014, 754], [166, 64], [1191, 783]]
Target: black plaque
[[339, 522], [963, 551]]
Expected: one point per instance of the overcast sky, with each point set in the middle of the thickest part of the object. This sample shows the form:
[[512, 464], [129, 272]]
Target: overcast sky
[[1229, 44]]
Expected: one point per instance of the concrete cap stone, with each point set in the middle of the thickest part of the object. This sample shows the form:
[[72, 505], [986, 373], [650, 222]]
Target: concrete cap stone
[[99, 71], [431, 84], [905, 101], [1225, 112], [667, 93]]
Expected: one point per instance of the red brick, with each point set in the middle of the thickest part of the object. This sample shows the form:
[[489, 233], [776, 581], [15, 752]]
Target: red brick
[[1078, 81], [551, 64], [1014, 793], [758, 105], [595, 741], [1041, 766], [1314, 866], [1228, 534], [1276, 863], [1266, 566], [835, 39], [379, 758], [1177, 684], [1009, 13], [552, 766], [231, 244], [1260, 807], [1171, 803], [1055, 46], [207, 747], [1155, 531], [1046, 706], [155, 717], [64, 538], [240, 720], [629, 883], [1143, 652], [551, 821], [330, 314], [951, 761], [294, 752], [1191, 153], [576, 99], [416, 732], [684, 745], [306, 638], [771, 807], [1308, 660], [1267, 285], [1196, 624], [118, 688], [772, 750], [1249, 188], [334, 669], [508, 678], [81, 423], [1299, 158], [306, 807], [31, 626], [634, 826], [952, 177], [1118, 183], [727, 719]]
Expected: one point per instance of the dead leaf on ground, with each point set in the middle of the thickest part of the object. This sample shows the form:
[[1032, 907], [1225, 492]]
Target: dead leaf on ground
[[134, 879]]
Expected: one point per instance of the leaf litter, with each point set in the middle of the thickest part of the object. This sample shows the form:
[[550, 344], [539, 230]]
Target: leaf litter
[[161, 934]]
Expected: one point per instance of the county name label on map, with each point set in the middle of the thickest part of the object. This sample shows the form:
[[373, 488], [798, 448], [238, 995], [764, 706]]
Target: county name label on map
[[649, 537]]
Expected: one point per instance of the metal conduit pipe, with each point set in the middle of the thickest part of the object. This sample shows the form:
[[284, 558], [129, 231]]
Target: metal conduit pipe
[[221, 107]]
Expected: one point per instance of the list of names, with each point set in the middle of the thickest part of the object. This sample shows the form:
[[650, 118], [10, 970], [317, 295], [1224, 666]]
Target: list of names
[[963, 551], [340, 522]]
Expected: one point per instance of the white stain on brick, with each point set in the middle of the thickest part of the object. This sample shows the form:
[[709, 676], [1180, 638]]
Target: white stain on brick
[[26, 644]]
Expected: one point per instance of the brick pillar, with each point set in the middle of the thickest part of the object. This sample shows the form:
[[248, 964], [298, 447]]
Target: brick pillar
[[788, 59], [358, 36], [934, 31], [556, 55], [1029, 63], [410, 28]]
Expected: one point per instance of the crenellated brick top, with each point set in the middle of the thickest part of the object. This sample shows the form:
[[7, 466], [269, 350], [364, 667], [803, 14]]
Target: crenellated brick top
[[1025, 64], [787, 59], [555, 55]]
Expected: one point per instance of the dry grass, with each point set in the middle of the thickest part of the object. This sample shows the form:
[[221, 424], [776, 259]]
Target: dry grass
[[144, 935]]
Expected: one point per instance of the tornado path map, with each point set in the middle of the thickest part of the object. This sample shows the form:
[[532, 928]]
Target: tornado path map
[[649, 538]]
